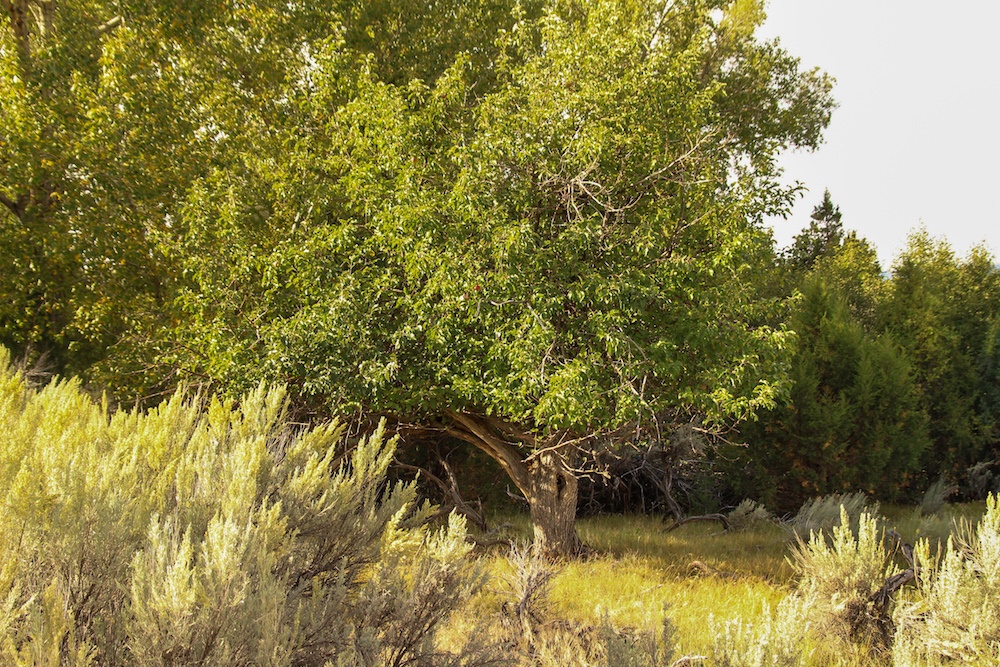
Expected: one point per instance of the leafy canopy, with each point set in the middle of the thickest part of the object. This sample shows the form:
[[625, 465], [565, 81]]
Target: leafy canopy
[[564, 239]]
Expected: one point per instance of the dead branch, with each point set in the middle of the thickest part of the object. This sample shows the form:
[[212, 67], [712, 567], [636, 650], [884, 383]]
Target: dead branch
[[721, 518], [881, 598], [450, 490]]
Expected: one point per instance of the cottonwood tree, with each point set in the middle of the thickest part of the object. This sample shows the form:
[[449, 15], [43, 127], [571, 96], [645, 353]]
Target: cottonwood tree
[[98, 144], [534, 227], [113, 110], [537, 255]]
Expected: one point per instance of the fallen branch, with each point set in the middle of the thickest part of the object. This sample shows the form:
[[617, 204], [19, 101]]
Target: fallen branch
[[721, 518]]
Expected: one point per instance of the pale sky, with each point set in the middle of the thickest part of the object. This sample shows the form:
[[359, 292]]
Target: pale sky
[[916, 139]]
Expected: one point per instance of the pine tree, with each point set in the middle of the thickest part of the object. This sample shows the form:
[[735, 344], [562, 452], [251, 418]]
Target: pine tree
[[821, 238]]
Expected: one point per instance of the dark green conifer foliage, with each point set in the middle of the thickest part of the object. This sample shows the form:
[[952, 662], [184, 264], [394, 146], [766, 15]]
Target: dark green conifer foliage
[[851, 422], [942, 310], [821, 238]]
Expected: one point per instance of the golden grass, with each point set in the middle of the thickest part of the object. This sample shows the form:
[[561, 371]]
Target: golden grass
[[637, 572]]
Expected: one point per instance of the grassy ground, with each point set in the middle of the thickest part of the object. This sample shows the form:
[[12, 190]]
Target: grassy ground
[[696, 575]]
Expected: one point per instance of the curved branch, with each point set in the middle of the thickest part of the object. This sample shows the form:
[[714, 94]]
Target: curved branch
[[478, 433], [15, 207]]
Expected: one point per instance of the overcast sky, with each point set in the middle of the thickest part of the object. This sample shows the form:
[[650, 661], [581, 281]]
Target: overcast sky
[[916, 139]]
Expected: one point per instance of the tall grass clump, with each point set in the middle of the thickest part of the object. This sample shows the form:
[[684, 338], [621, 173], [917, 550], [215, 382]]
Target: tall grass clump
[[955, 619], [824, 513], [211, 535], [935, 498]]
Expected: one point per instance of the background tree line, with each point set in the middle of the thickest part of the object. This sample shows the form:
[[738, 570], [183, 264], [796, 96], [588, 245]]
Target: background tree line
[[894, 373]]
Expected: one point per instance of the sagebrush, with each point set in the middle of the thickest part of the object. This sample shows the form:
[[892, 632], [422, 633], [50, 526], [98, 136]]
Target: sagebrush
[[211, 535]]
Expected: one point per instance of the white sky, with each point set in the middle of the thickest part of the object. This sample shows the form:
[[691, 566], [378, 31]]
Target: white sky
[[916, 139]]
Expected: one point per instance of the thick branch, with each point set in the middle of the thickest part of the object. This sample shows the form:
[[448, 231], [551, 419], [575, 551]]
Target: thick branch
[[19, 14], [478, 433], [110, 25], [15, 207]]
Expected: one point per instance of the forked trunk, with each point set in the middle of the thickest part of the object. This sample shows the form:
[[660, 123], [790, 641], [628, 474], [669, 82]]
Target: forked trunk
[[552, 498], [547, 482]]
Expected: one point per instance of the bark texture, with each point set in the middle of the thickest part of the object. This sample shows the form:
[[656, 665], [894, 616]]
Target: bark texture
[[552, 498]]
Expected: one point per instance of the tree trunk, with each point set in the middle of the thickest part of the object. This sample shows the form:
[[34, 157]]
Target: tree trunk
[[19, 24], [552, 498], [547, 482]]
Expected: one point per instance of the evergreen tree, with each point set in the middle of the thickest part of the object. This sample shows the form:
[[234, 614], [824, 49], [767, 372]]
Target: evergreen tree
[[821, 238], [941, 309], [852, 420]]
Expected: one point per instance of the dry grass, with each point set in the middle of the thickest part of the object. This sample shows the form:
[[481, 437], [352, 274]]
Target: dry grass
[[697, 576]]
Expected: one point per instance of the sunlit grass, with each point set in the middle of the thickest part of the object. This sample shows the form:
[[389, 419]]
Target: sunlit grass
[[700, 577]]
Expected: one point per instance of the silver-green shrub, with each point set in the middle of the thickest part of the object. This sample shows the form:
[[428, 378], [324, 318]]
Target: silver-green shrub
[[776, 639], [955, 617], [210, 535], [749, 515], [839, 578]]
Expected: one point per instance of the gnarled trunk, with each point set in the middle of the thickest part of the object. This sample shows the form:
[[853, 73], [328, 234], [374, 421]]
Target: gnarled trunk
[[552, 498], [546, 480]]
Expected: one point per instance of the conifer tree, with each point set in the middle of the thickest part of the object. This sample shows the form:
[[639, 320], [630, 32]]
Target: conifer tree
[[852, 420], [821, 239]]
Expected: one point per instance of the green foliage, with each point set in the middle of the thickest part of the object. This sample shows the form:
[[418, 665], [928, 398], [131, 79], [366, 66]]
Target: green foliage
[[821, 239], [113, 111], [219, 535], [852, 419], [854, 271], [567, 249], [941, 310]]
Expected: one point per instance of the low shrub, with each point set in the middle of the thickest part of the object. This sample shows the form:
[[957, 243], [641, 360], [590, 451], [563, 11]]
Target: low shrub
[[211, 535], [955, 618], [748, 515], [774, 640], [839, 578], [534, 635]]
